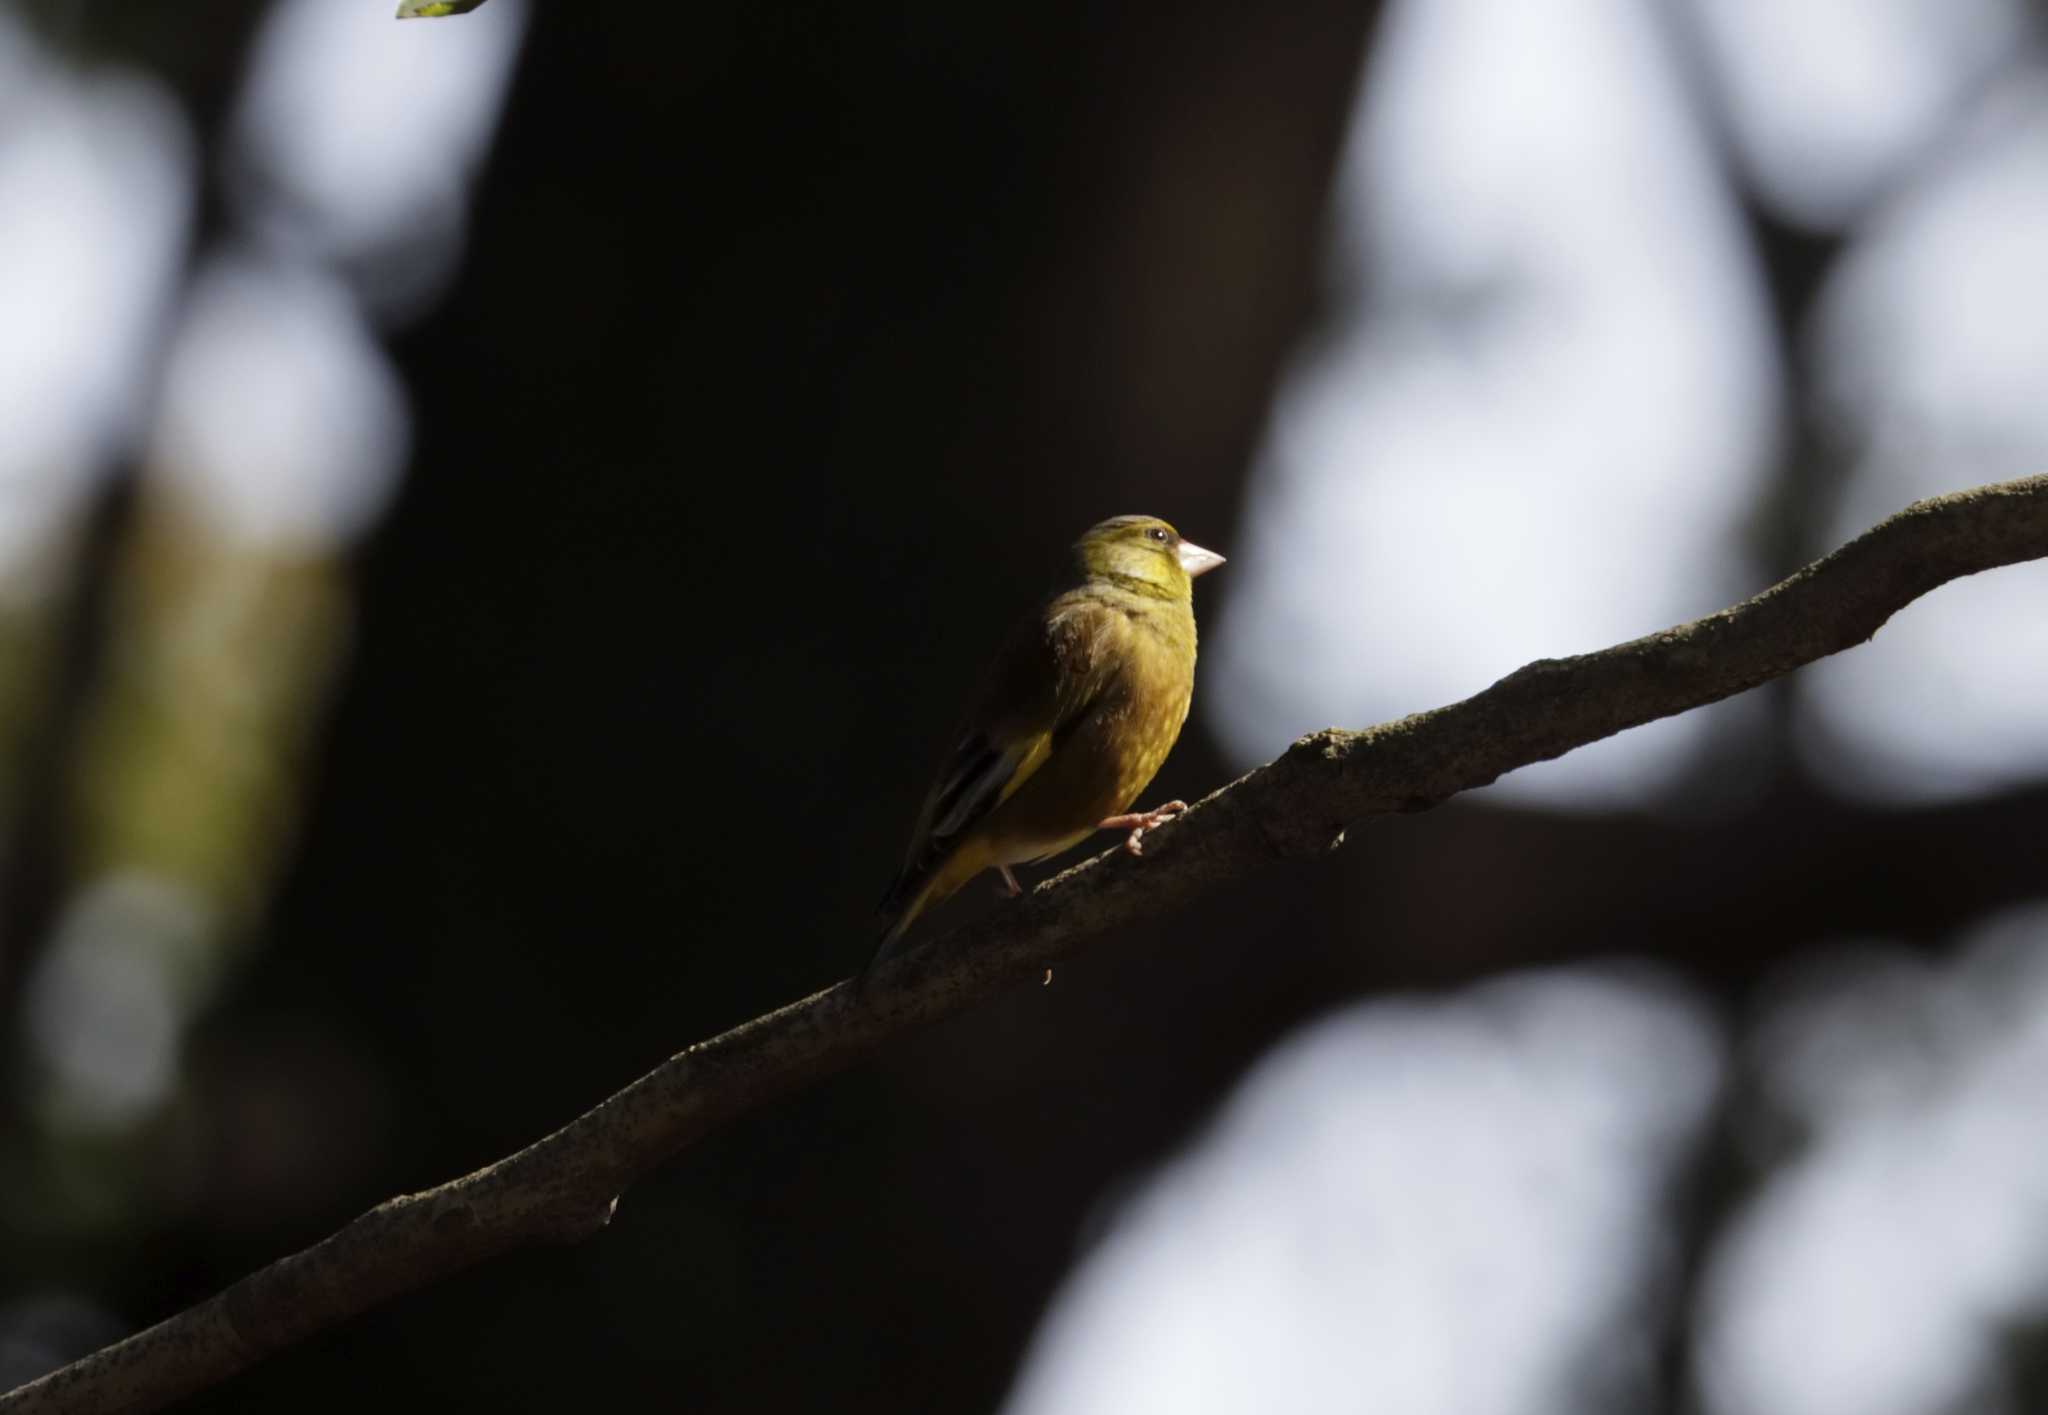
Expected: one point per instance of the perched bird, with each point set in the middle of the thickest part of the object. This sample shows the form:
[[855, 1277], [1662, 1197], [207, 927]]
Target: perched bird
[[1075, 716]]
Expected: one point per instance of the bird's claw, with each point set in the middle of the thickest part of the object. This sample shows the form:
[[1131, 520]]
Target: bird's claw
[[1141, 821], [1007, 886]]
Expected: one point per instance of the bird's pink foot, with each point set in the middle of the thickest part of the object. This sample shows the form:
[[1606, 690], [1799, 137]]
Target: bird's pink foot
[[1138, 822], [1008, 888]]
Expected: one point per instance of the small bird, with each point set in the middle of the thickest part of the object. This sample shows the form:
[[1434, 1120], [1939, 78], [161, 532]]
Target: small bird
[[1074, 718]]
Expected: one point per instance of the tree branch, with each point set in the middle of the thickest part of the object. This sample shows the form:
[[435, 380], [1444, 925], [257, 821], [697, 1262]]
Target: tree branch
[[564, 1186]]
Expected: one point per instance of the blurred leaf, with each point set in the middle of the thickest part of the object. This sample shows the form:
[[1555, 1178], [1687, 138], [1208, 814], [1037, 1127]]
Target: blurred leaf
[[434, 9]]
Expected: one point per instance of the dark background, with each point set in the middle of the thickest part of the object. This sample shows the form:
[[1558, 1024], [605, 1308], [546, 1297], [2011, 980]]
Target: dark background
[[792, 345]]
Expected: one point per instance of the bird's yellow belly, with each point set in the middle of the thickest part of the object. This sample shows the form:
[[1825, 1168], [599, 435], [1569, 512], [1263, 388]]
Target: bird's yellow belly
[[1096, 772]]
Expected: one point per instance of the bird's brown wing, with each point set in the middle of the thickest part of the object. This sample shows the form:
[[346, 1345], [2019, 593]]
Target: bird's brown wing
[[1048, 675]]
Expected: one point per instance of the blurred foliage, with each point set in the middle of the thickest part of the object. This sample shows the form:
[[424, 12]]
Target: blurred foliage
[[217, 655]]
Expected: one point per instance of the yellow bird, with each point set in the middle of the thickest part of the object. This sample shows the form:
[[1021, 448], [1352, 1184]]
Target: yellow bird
[[1074, 719]]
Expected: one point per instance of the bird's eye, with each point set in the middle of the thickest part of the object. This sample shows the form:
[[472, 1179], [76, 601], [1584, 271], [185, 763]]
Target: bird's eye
[[1157, 534]]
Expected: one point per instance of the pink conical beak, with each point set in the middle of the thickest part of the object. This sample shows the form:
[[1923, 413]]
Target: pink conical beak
[[1197, 561]]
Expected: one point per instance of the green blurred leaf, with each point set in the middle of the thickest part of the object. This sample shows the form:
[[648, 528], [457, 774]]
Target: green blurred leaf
[[434, 9]]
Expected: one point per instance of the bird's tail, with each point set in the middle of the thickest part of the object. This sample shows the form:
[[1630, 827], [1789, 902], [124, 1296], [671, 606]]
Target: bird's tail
[[900, 907]]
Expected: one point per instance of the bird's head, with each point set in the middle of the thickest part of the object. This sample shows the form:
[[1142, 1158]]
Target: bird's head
[[1143, 552]]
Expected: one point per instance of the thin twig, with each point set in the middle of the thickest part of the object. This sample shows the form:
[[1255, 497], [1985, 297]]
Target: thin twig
[[564, 1186]]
